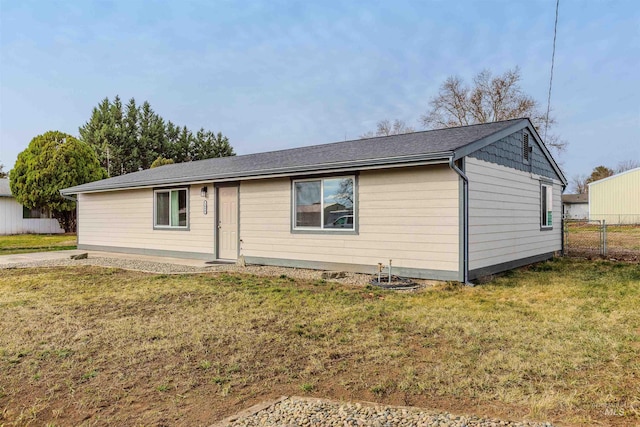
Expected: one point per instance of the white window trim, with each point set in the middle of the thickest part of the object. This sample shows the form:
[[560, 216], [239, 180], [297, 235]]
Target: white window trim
[[321, 228], [155, 210], [549, 195]]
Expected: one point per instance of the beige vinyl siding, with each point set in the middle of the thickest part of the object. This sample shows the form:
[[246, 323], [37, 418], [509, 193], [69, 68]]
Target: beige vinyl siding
[[504, 215], [125, 219], [409, 215], [12, 222], [616, 200]]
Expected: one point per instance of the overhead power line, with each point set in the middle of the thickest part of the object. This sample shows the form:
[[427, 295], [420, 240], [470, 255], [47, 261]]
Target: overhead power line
[[553, 57]]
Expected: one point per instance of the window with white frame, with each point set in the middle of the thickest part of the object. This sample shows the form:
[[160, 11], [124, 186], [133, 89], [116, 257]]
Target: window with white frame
[[171, 208], [546, 206], [324, 204]]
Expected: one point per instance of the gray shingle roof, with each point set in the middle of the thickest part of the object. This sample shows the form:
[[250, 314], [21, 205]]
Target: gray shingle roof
[[433, 144], [5, 190], [575, 198]]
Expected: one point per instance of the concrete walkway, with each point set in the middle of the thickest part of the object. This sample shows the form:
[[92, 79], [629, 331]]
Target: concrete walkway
[[8, 260]]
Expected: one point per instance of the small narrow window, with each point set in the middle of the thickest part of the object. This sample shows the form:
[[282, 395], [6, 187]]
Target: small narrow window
[[35, 213], [324, 204], [525, 146], [171, 208], [546, 206]]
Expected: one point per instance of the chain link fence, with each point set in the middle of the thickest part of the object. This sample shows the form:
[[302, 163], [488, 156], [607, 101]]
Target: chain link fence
[[597, 238]]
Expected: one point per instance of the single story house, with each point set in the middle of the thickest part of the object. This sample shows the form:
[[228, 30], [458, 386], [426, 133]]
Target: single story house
[[575, 206], [616, 199], [448, 204], [16, 219]]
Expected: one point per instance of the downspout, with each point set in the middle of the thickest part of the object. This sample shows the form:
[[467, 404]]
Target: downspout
[[564, 187], [465, 220]]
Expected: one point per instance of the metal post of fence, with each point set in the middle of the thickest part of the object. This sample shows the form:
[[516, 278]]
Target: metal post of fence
[[601, 237], [564, 236], [604, 238]]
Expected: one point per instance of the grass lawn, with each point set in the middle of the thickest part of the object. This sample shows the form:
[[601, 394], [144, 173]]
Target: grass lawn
[[92, 346], [24, 243]]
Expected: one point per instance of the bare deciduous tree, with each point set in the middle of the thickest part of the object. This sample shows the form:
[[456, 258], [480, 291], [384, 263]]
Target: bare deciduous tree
[[386, 127], [628, 164], [579, 184], [3, 174], [490, 99]]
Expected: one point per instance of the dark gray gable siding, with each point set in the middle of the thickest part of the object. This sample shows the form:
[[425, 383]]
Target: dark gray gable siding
[[508, 152]]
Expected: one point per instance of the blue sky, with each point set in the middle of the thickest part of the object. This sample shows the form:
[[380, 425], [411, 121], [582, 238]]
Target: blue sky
[[280, 74]]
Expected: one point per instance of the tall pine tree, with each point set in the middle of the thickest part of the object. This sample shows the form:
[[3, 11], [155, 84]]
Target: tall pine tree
[[130, 139], [131, 134]]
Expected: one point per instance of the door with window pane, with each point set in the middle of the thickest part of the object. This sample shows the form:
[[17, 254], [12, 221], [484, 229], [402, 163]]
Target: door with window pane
[[228, 222]]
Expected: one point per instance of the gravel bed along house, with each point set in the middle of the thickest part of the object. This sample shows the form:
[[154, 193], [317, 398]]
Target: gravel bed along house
[[133, 263], [300, 411]]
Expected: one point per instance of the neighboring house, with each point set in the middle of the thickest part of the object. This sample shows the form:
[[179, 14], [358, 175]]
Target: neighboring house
[[405, 198], [616, 199], [16, 219], [575, 206]]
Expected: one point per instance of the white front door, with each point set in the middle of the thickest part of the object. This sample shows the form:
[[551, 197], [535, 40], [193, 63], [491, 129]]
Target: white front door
[[228, 222]]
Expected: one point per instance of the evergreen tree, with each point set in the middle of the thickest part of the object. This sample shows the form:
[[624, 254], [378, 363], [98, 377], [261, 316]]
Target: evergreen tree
[[220, 146], [51, 162], [161, 161], [114, 134], [171, 136], [131, 135], [130, 140], [92, 133], [146, 142], [207, 145], [183, 146], [598, 173]]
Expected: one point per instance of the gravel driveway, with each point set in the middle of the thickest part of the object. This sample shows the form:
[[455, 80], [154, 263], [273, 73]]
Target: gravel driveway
[[301, 411]]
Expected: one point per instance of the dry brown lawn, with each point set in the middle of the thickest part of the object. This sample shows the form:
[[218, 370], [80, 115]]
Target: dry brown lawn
[[94, 346]]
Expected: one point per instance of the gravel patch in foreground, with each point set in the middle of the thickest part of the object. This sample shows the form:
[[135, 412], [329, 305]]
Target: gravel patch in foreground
[[296, 411]]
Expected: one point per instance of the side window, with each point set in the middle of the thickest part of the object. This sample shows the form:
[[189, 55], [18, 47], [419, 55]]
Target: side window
[[324, 204], [546, 206], [171, 209]]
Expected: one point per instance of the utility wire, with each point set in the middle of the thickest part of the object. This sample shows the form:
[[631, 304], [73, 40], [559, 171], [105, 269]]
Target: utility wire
[[553, 57]]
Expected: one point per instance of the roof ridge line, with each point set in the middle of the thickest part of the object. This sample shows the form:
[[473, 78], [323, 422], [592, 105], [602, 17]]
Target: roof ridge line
[[375, 137]]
